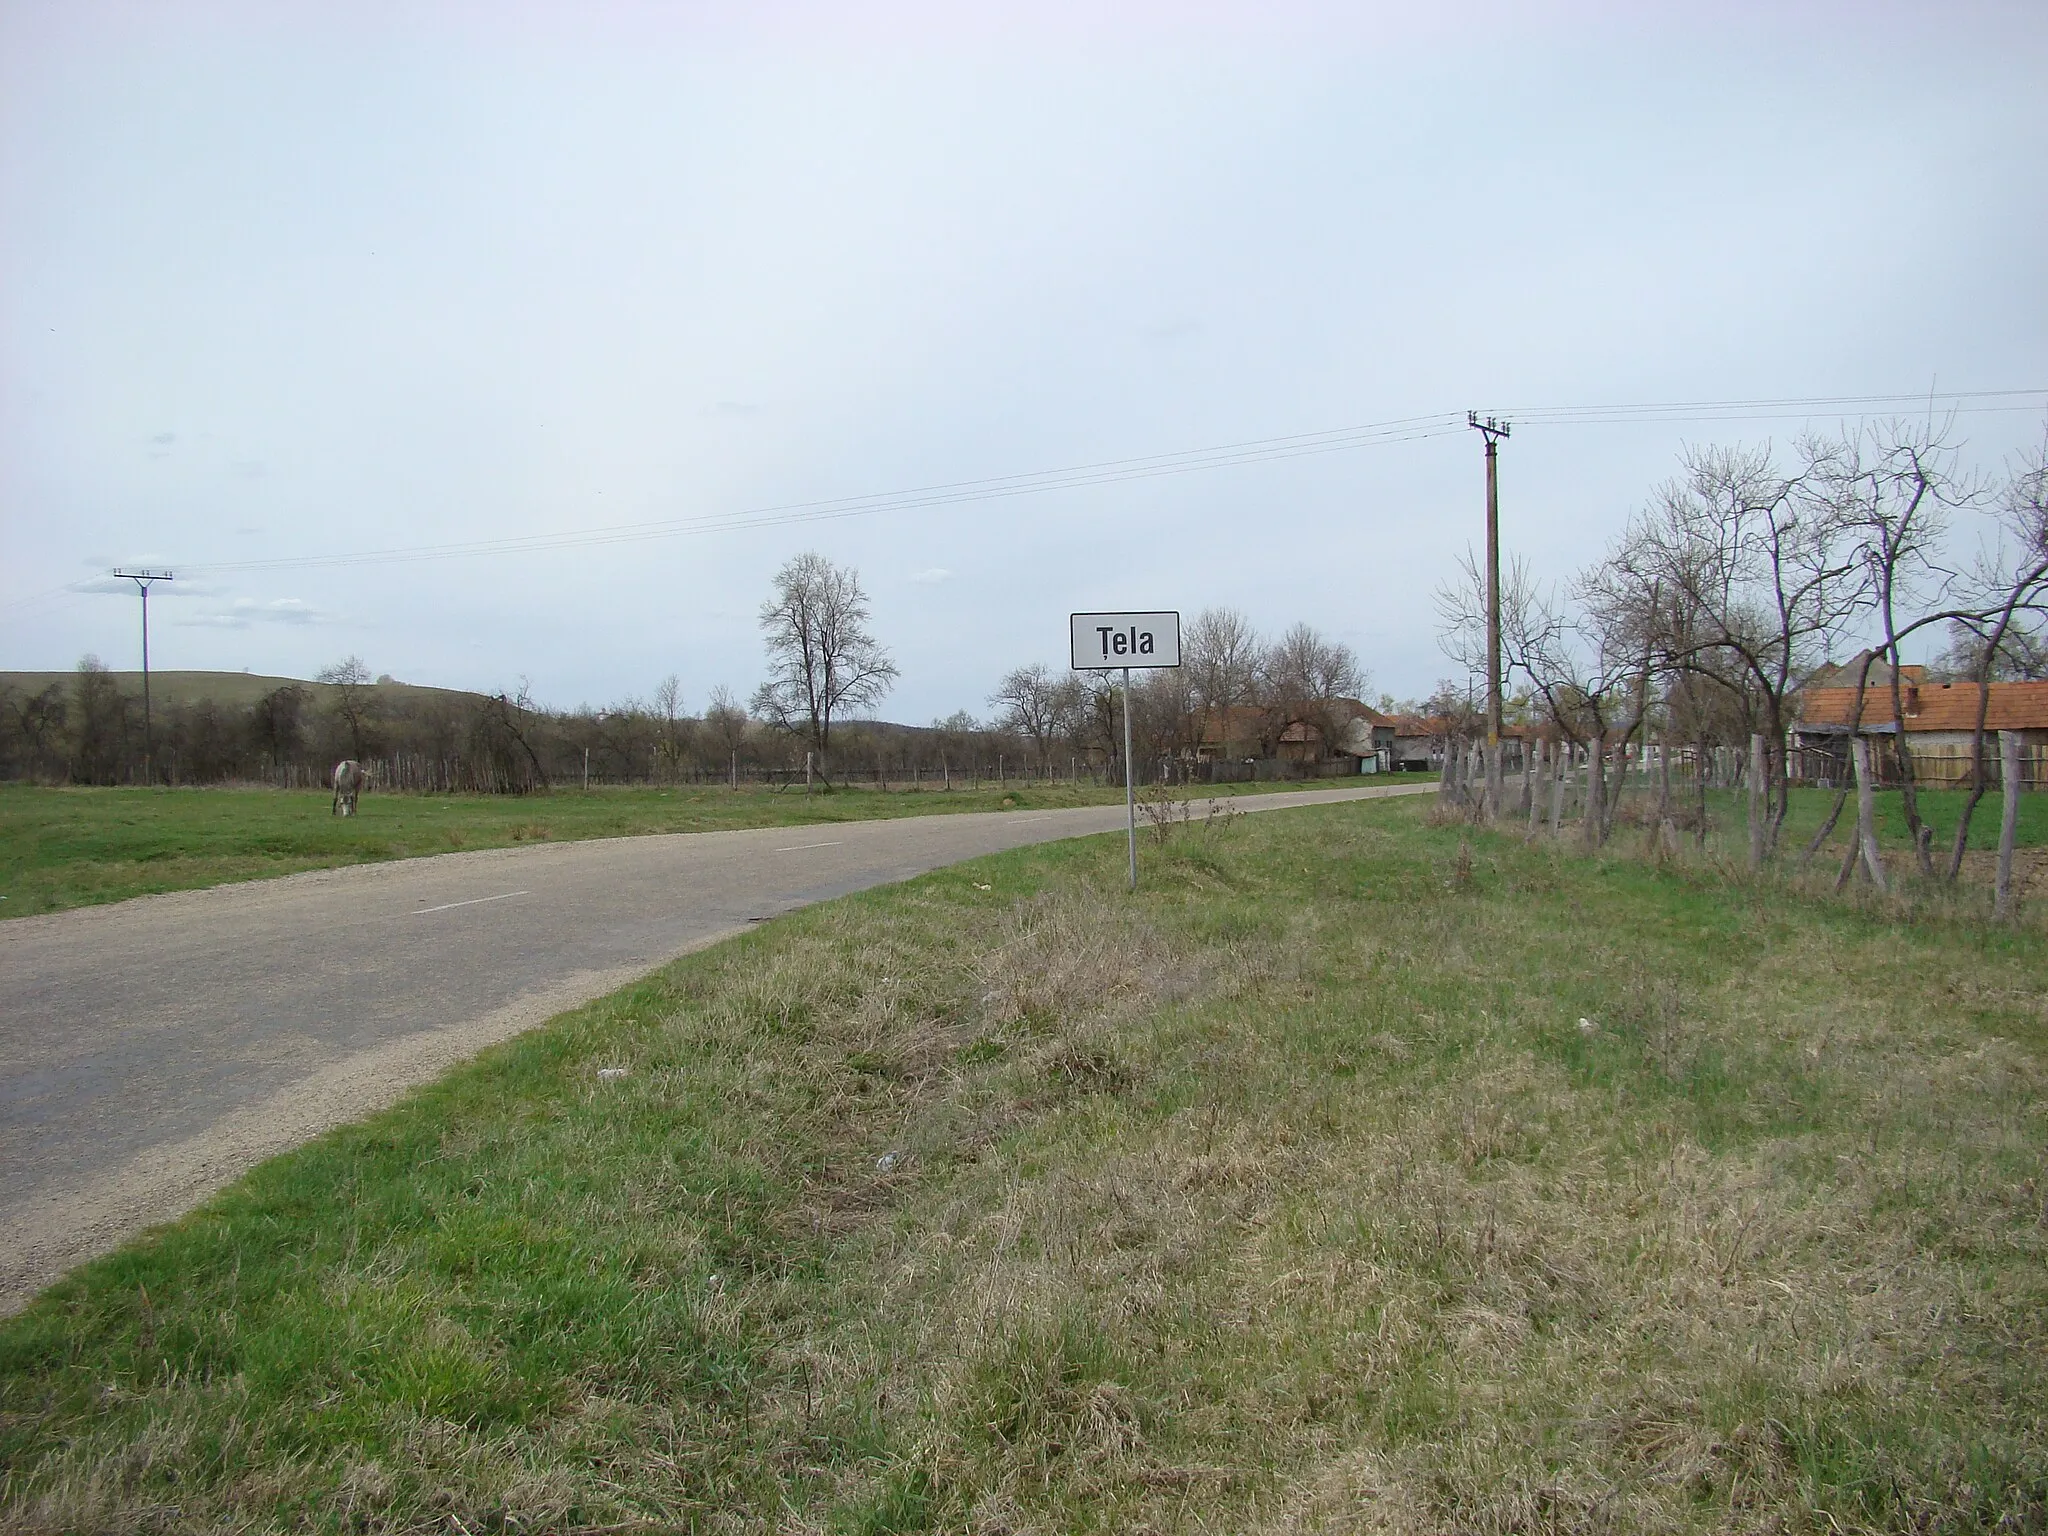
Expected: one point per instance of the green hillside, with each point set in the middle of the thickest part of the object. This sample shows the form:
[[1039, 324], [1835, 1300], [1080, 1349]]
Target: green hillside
[[236, 688]]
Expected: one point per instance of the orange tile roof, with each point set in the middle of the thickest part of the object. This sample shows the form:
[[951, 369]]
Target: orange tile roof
[[1931, 707]]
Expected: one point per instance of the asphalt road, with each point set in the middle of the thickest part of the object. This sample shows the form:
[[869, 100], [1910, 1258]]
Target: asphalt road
[[153, 1050]]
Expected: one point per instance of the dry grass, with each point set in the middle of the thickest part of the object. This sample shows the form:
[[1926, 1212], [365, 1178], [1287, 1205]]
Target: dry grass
[[1292, 1196]]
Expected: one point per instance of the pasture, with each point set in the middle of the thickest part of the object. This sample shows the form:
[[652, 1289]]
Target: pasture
[[73, 847], [1358, 1174]]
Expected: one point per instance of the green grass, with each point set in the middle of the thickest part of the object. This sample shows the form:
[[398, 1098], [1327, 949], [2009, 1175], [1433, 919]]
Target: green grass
[[1357, 1174], [62, 848], [1940, 809]]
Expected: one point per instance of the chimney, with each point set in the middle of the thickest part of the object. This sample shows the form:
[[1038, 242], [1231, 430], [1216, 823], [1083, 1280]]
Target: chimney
[[1912, 698]]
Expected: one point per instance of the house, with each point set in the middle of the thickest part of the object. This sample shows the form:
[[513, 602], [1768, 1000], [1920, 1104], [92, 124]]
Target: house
[[1418, 742], [1362, 734], [1939, 720]]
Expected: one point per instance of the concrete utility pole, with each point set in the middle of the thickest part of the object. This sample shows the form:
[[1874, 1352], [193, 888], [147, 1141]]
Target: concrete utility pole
[[1493, 431], [142, 580]]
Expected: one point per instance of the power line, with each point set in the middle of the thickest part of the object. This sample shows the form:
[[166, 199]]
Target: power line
[[954, 493], [1971, 401], [1144, 467], [1152, 466]]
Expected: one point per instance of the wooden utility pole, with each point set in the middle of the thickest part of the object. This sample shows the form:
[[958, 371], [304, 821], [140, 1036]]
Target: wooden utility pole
[[1493, 431], [142, 580]]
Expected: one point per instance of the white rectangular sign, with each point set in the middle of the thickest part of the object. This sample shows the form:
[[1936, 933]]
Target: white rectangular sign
[[1102, 640]]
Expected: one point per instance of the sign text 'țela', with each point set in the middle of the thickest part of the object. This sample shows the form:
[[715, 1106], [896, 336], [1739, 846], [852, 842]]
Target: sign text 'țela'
[[1102, 640]]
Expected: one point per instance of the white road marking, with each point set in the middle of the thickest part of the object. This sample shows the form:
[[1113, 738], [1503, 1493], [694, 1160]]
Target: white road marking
[[473, 901], [800, 847]]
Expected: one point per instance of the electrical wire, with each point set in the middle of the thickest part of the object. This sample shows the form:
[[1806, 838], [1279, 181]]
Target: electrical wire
[[1144, 467], [1966, 401], [948, 494]]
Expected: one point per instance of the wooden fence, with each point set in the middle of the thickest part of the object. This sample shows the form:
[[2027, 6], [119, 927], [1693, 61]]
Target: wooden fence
[[1934, 767]]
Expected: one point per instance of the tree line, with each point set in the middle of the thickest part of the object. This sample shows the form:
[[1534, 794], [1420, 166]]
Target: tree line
[[88, 729], [1234, 696], [1744, 576], [1237, 694]]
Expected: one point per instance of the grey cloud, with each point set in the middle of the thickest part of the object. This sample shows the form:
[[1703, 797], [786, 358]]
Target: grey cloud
[[933, 576], [247, 611]]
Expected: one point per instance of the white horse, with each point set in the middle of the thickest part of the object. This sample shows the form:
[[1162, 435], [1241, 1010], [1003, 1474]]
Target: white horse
[[350, 779]]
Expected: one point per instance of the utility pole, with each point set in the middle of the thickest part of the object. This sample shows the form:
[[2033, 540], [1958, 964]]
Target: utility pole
[[1493, 431], [142, 580]]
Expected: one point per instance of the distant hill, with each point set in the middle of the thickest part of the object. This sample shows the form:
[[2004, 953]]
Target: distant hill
[[241, 689], [233, 688]]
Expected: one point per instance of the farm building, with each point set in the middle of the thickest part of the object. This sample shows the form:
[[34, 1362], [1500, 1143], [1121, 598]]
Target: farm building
[[1939, 720], [1363, 738]]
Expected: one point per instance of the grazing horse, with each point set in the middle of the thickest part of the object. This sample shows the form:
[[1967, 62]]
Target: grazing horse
[[350, 777]]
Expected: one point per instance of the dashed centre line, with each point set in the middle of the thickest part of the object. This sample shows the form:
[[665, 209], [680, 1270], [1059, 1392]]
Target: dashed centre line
[[473, 901], [800, 847]]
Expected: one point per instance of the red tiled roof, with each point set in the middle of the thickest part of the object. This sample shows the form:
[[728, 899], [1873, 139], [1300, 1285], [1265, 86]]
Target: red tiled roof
[[1931, 706], [1418, 725]]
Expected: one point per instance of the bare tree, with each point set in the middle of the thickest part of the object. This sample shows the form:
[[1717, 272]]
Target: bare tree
[[1167, 717], [1896, 485], [1221, 657], [1304, 678], [726, 720], [822, 660], [278, 722], [670, 724], [2012, 583], [1587, 655], [99, 723], [1769, 571], [38, 719], [351, 699], [2021, 657], [959, 739], [1031, 702]]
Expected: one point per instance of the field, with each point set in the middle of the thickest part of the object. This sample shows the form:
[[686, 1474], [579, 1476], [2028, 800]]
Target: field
[[1359, 1174], [64, 848]]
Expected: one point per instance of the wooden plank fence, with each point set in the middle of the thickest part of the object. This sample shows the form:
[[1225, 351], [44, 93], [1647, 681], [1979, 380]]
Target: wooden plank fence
[[1934, 767]]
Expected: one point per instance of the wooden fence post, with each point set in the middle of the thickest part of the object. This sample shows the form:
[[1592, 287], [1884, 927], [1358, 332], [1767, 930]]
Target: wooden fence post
[[1866, 813], [2010, 775]]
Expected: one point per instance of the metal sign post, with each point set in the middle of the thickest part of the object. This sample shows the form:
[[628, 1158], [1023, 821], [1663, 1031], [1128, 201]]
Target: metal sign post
[[1102, 642], [1130, 790]]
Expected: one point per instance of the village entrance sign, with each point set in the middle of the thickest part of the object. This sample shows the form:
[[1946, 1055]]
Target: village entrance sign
[[1101, 642]]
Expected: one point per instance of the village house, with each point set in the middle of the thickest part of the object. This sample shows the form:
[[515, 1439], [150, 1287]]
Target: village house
[[1417, 743], [1939, 720], [1364, 741]]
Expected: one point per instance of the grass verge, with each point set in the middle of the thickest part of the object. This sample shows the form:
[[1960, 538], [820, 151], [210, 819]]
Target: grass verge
[[1726, 845], [62, 848], [1356, 1175]]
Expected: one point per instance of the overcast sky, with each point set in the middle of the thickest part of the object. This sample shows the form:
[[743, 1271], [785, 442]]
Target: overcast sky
[[280, 281]]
